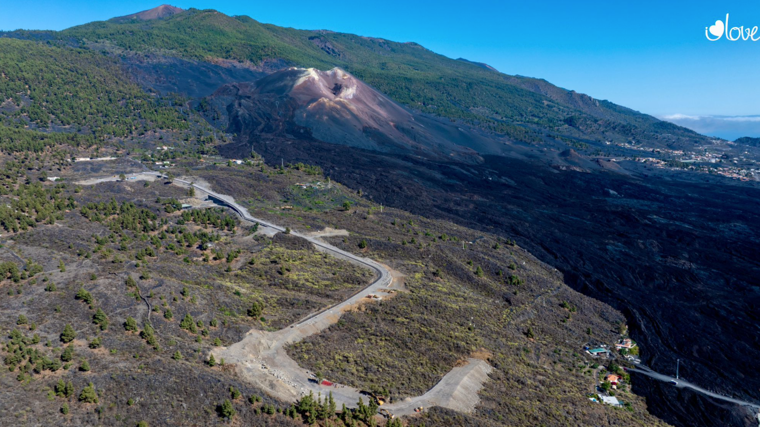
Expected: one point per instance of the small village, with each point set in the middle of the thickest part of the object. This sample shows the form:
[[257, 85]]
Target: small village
[[742, 167], [611, 381], [733, 172]]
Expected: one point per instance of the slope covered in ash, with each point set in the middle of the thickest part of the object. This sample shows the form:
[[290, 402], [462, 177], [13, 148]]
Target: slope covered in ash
[[668, 253], [680, 259], [336, 107], [411, 75]]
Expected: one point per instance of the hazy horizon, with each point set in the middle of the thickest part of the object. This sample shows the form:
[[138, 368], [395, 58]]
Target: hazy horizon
[[725, 127]]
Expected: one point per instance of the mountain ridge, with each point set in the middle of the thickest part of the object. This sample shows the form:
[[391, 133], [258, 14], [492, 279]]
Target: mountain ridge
[[407, 72], [160, 12]]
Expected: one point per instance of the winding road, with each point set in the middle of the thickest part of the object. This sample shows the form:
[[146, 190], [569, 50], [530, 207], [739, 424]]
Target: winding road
[[261, 357]]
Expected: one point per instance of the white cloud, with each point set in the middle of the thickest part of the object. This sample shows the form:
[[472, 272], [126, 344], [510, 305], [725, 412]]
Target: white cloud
[[680, 117], [742, 119], [728, 127]]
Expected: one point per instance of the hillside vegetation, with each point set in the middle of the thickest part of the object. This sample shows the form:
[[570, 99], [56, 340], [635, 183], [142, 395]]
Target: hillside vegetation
[[75, 89], [113, 295], [407, 72]]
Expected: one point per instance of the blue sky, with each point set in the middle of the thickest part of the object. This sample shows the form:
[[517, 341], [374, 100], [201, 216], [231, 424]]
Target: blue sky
[[650, 56]]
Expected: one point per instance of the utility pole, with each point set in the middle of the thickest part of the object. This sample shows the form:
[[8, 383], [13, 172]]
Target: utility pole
[[678, 363]]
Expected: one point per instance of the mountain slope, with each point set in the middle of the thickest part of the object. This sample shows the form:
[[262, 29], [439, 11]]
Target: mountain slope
[[69, 89], [408, 73], [632, 242], [336, 107], [160, 12]]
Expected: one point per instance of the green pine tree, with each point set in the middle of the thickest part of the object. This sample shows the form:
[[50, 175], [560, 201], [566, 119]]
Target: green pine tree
[[100, 319], [88, 394], [226, 410], [130, 324], [68, 354], [68, 334]]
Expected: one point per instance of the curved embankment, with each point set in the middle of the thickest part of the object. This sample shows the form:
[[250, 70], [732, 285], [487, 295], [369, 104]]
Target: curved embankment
[[261, 356]]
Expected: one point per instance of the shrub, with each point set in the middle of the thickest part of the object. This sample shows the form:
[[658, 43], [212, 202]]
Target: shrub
[[257, 308], [68, 334], [188, 323], [60, 388], [83, 295], [68, 354], [88, 394], [148, 334], [100, 319], [226, 410], [130, 324]]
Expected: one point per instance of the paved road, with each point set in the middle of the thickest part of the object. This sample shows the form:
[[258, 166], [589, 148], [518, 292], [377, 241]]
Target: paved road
[[262, 357], [384, 275], [641, 369]]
